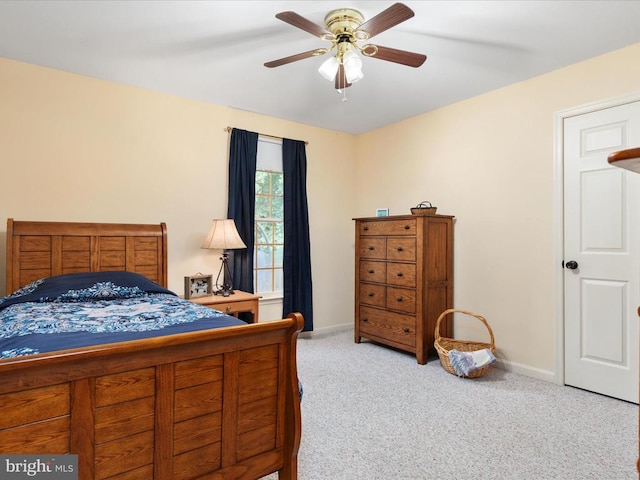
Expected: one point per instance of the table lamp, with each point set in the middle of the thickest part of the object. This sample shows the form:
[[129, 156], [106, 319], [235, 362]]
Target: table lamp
[[224, 236]]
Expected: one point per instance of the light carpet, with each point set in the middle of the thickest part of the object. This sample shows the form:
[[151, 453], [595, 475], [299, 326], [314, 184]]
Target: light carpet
[[370, 412]]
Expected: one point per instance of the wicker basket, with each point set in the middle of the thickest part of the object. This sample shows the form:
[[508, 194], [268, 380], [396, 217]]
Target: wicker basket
[[444, 345], [424, 208]]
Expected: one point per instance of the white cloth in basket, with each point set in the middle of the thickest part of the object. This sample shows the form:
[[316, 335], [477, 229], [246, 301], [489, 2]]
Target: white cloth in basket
[[465, 363]]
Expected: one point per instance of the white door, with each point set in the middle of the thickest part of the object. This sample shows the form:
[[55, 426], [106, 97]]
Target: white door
[[602, 239]]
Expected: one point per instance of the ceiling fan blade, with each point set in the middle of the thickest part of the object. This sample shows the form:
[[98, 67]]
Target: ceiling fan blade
[[296, 57], [341, 78], [292, 18], [392, 16], [398, 56]]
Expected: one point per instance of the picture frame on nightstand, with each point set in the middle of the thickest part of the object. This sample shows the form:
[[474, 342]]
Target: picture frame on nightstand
[[198, 285]]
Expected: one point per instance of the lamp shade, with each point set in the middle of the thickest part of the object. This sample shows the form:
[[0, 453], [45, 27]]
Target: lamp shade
[[223, 235]]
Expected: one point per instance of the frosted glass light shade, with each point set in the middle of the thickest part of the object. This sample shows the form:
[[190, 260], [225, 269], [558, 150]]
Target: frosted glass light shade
[[329, 68], [352, 66], [223, 235]]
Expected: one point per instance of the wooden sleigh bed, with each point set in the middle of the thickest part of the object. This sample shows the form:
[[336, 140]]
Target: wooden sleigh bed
[[219, 404], [628, 159]]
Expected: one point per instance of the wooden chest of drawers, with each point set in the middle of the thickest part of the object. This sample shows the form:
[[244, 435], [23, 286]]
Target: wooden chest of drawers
[[404, 280]]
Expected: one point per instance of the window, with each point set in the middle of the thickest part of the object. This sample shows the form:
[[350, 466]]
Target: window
[[269, 220]]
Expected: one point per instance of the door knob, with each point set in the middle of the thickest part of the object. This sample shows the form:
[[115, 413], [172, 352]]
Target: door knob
[[571, 264]]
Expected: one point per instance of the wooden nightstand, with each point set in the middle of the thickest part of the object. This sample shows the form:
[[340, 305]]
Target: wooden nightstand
[[233, 304]]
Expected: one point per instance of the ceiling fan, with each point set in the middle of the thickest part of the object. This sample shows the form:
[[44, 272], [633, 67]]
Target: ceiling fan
[[346, 27]]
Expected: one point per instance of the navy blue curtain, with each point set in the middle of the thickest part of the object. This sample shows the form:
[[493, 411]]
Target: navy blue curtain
[[297, 250], [243, 151]]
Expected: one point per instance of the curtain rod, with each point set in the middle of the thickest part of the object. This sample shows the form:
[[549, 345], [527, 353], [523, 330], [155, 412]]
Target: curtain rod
[[228, 129]]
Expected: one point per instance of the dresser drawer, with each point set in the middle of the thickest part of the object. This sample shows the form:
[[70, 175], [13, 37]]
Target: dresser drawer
[[401, 249], [389, 227], [388, 325], [403, 299], [372, 294], [375, 272], [372, 248], [401, 274]]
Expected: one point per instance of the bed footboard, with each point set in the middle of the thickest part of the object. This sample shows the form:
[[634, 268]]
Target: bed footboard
[[217, 404]]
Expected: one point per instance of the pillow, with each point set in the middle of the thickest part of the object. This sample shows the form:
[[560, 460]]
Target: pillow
[[83, 287]]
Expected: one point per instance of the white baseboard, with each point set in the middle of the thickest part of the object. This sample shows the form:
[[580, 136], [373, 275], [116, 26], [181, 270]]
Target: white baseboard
[[538, 373], [521, 369], [327, 330]]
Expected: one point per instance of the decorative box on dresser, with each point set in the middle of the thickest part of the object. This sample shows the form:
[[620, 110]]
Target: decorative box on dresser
[[404, 280]]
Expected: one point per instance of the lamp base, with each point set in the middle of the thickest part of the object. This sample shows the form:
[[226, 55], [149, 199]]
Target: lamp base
[[226, 288], [225, 291]]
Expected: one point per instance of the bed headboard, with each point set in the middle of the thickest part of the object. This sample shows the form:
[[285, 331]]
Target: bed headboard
[[42, 249]]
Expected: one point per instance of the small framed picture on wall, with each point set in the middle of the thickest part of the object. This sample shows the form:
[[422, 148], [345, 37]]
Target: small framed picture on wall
[[382, 212]]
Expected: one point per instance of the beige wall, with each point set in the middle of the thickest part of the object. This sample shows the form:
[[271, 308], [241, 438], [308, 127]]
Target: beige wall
[[490, 162], [78, 149], [74, 148]]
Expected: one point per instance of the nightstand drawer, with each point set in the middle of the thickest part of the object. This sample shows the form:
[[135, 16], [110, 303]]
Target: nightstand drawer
[[233, 307], [235, 303]]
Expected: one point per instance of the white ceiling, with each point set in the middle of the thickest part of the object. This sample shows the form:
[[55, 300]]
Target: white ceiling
[[214, 51]]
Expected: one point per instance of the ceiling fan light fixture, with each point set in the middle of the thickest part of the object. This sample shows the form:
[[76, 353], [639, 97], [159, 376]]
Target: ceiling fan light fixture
[[329, 68], [344, 28]]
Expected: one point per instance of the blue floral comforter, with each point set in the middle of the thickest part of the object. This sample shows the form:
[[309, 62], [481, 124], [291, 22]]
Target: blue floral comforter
[[85, 309]]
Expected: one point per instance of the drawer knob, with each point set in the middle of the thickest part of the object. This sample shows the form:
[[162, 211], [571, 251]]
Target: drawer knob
[[371, 247], [371, 294], [405, 330], [370, 271], [399, 249], [399, 274], [365, 228], [407, 227], [365, 319], [228, 308], [399, 299]]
